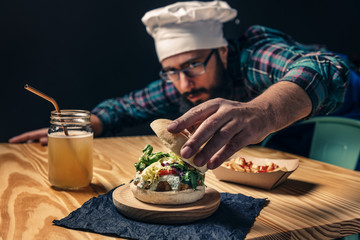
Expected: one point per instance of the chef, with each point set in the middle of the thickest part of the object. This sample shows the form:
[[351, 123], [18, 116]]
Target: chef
[[228, 93]]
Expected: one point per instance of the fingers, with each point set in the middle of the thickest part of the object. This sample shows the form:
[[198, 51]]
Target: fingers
[[222, 136], [204, 120], [193, 128], [35, 135], [214, 126], [19, 139], [44, 141], [193, 117]]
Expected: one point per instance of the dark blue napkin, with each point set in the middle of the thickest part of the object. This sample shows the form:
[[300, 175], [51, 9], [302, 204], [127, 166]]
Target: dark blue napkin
[[233, 220]]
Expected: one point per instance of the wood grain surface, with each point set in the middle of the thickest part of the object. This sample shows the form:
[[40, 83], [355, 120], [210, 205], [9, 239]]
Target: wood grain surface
[[131, 207], [318, 201]]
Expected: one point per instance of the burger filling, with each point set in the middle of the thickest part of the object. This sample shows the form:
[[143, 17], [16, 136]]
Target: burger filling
[[165, 172]]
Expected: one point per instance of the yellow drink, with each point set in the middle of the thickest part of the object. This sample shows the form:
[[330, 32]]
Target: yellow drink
[[70, 159]]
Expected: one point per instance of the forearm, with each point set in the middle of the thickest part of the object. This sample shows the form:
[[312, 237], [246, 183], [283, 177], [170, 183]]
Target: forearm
[[224, 127], [284, 103], [157, 99]]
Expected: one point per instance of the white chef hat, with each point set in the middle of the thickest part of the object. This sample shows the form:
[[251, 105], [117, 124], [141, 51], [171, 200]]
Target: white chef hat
[[187, 26]]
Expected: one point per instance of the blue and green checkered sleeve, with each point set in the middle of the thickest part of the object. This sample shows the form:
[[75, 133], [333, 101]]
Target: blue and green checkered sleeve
[[155, 100], [272, 56]]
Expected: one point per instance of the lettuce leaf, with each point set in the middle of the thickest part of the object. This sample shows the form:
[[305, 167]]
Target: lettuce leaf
[[148, 157]]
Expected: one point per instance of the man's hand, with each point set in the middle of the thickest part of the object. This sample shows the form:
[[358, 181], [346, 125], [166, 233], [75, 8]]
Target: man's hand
[[229, 125], [39, 135], [226, 126]]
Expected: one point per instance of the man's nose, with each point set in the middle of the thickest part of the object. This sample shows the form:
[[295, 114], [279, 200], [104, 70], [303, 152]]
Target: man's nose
[[186, 82]]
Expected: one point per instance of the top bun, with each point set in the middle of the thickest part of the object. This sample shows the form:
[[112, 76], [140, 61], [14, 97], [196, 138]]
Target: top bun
[[174, 141]]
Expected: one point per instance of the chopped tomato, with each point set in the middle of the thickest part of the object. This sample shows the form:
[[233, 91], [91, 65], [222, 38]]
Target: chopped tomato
[[167, 172], [271, 167], [263, 168]]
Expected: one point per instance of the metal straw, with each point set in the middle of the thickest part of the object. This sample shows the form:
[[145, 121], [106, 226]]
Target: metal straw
[[50, 99]]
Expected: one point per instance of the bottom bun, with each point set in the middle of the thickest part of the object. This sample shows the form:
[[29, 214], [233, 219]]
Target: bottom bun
[[168, 197]]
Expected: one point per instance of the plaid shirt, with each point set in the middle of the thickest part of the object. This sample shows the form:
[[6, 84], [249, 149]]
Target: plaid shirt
[[260, 58]]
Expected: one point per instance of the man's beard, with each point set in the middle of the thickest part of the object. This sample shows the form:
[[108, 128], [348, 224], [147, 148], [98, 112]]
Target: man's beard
[[222, 89]]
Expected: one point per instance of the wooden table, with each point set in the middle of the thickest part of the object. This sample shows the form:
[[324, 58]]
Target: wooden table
[[317, 201]]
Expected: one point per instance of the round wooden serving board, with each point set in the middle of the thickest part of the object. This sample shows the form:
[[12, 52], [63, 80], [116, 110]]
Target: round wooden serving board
[[131, 207]]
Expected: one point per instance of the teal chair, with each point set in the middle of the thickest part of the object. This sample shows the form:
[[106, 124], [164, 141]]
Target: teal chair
[[335, 140]]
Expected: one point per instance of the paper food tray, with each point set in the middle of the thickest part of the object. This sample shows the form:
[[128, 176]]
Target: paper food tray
[[267, 180]]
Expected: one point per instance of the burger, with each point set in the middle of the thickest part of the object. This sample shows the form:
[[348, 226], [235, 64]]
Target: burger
[[166, 178]]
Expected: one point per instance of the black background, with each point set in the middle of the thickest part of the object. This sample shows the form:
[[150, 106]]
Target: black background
[[82, 52]]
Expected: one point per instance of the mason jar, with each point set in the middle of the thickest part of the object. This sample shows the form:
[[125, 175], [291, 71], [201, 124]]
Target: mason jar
[[70, 149]]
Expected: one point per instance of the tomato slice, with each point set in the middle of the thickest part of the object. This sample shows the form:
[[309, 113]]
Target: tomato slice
[[167, 172]]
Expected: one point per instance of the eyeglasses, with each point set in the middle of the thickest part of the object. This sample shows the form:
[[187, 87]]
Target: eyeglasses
[[193, 70]]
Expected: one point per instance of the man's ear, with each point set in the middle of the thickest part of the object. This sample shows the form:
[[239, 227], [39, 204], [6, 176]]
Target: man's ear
[[223, 53]]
